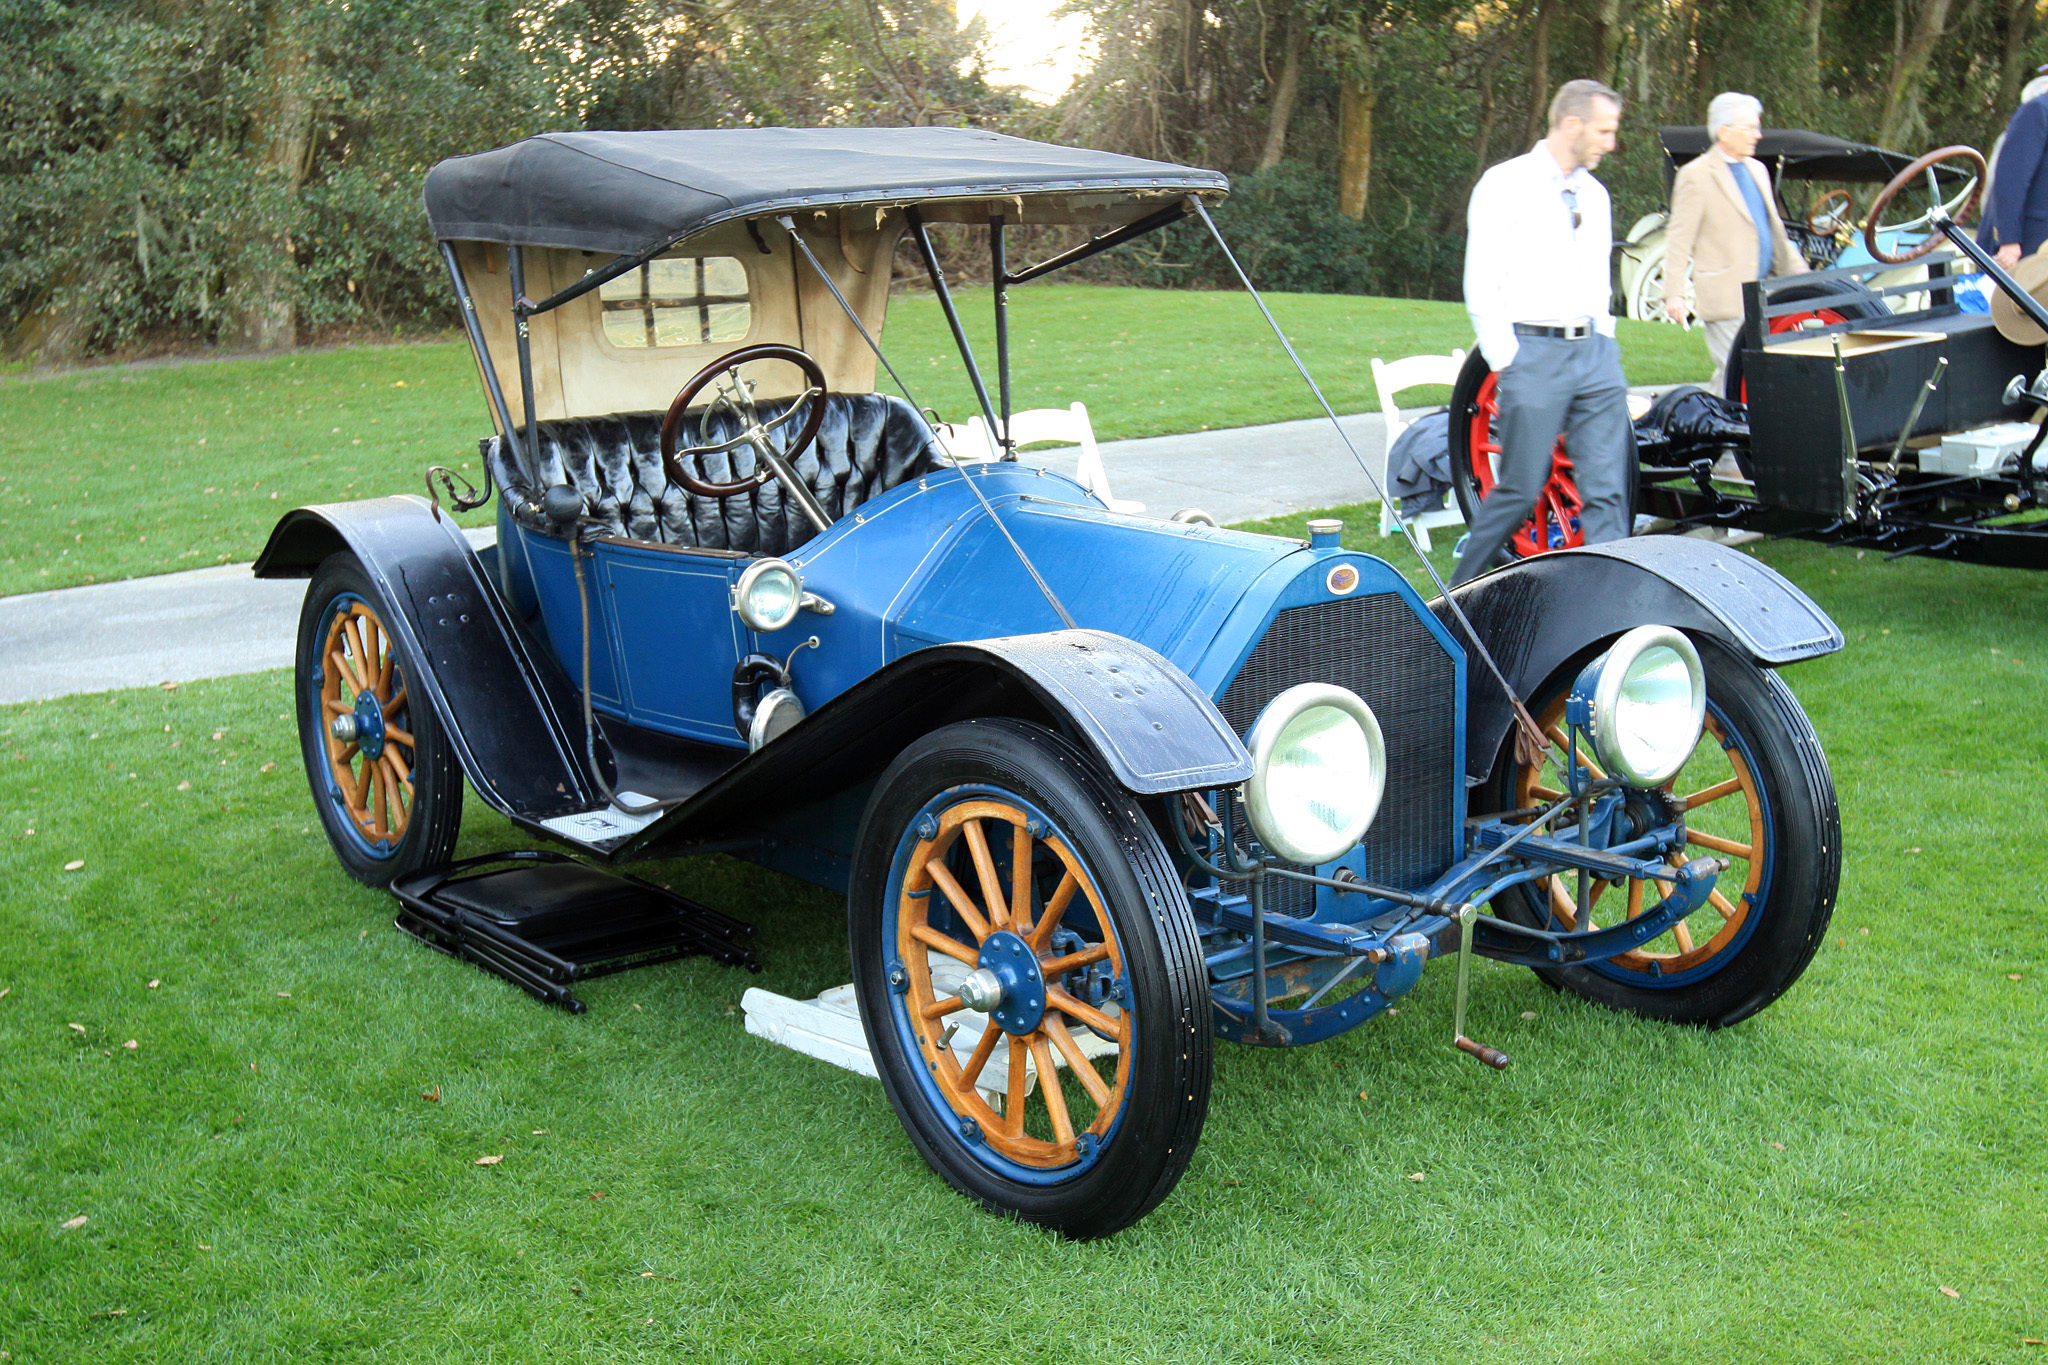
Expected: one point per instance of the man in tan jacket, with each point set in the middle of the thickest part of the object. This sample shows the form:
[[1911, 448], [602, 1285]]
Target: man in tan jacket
[[1717, 202]]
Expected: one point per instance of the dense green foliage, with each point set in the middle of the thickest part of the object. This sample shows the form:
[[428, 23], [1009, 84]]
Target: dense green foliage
[[283, 1165], [247, 172]]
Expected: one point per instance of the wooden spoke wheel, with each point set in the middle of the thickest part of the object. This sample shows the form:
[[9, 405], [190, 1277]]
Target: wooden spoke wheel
[[1030, 978], [383, 779], [1757, 792], [1553, 523]]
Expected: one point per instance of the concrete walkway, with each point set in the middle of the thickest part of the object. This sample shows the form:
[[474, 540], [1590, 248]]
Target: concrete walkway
[[210, 623]]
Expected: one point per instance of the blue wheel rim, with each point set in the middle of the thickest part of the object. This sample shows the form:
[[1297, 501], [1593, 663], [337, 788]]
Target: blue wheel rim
[[936, 836]]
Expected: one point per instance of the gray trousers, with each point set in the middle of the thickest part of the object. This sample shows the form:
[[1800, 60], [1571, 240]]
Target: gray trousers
[[1556, 387]]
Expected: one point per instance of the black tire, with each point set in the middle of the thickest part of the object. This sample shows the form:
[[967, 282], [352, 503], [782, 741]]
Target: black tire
[[1130, 1143], [403, 809], [1732, 382], [1782, 809]]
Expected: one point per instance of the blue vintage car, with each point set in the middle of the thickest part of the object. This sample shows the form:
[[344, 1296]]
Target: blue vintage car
[[1099, 789]]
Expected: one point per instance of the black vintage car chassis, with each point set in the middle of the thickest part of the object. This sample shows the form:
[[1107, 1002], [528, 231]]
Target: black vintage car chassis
[[1256, 957]]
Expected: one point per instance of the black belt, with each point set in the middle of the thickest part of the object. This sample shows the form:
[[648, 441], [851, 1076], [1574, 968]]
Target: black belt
[[1575, 333]]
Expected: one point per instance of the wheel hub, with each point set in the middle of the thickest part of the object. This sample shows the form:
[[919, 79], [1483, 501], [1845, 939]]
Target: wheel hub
[[1014, 966], [369, 725]]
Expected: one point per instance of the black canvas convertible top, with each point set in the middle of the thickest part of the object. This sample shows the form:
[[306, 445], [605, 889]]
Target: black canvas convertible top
[[634, 192], [1795, 154]]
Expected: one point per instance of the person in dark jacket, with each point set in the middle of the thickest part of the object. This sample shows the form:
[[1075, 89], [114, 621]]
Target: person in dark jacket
[[2016, 204]]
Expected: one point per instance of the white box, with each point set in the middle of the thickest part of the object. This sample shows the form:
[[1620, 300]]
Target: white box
[[1984, 453], [829, 1029]]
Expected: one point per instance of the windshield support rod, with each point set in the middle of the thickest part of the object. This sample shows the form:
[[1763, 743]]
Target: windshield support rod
[[931, 265], [519, 324], [589, 280], [499, 409], [998, 260], [1096, 245]]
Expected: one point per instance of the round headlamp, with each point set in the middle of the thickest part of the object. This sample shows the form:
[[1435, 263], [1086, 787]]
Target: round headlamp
[[1641, 704], [1320, 768], [768, 595]]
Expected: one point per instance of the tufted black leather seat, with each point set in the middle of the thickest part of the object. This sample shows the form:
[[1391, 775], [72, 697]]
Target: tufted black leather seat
[[867, 444]]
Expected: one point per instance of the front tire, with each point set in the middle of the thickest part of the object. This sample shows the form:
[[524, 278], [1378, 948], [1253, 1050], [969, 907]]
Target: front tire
[[998, 844], [390, 794], [1758, 793]]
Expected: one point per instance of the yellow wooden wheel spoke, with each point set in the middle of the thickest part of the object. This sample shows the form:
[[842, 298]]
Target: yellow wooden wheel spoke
[[1543, 793], [1020, 880], [939, 1009], [1077, 1061], [1060, 965], [1720, 845], [398, 736], [1557, 737], [1062, 896], [1055, 998], [396, 704], [945, 943], [983, 1050], [366, 671], [985, 869], [339, 708], [957, 897], [1049, 1086], [1683, 935], [1714, 793], [1721, 903], [1014, 1095], [1635, 898], [345, 669]]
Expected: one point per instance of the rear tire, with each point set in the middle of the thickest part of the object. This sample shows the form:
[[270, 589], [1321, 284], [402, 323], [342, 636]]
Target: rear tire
[[390, 798]]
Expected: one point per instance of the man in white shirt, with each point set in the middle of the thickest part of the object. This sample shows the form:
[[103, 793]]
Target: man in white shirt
[[1536, 262]]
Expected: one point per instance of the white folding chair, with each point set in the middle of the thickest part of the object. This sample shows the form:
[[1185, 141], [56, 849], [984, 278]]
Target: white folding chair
[[1070, 425], [966, 442], [1390, 377]]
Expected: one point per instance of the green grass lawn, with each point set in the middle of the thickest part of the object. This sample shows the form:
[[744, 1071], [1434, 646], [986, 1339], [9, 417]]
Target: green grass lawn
[[133, 470], [268, 1106]]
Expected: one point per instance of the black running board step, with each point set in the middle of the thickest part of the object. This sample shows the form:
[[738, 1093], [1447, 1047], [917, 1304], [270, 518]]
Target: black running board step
[[545, 921]]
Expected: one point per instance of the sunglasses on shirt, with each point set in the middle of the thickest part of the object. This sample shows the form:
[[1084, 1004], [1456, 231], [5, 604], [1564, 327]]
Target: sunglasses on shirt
[[1571, 201]]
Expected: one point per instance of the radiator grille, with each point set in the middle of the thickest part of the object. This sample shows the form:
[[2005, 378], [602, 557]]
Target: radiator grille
[[1376, 646]]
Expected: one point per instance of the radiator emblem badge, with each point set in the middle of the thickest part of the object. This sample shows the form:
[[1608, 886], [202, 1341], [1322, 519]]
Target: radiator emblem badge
[[1342, 579]]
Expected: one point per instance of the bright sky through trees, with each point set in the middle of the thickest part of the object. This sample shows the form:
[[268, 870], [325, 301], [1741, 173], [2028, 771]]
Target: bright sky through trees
[[1028, 46]]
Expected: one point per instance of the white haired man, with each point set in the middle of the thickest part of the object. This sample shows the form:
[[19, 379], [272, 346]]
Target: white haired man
[[1538, 233], [1724, 228]]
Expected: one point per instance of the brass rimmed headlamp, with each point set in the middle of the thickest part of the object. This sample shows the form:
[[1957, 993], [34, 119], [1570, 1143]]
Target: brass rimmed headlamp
[[1641, 705], [1319, 770], [768, 595]]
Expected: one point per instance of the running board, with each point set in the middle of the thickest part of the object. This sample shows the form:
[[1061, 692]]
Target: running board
[[544, 921]]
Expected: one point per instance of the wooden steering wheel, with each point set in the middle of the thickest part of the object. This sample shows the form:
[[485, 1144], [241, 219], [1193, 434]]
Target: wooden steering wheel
[[1955, 208], [810, 403], [1829, 210]]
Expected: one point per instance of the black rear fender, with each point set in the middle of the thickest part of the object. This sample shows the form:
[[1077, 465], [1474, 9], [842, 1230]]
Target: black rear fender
[[1537, 614], [514, 717]]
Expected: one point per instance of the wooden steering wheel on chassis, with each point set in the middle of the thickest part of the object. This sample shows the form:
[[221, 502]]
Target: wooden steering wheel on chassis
[[810, 402]]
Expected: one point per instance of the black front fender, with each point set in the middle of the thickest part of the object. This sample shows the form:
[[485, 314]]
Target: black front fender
[[1152, 728], [1536, 614]]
